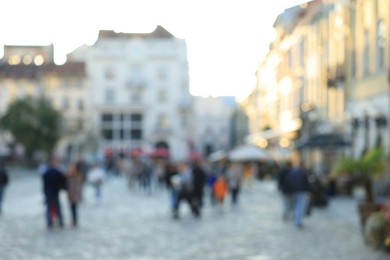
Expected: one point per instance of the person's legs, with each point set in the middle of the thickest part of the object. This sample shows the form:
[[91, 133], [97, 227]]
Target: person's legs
[[73, 208], [299, 210], [193, 201], [49, 219], [98, 193], [288, 205], [1, 198], [234, 194], [176, 204], [59, 212]]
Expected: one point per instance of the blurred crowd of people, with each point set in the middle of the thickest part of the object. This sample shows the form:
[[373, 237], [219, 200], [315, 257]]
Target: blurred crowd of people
[[191, 181], [196, 182]]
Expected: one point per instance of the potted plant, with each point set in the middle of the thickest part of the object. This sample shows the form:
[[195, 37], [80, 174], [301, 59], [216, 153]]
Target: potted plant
[[363, 171]]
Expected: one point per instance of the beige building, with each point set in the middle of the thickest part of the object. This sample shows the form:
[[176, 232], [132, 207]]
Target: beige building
[[326, 73], [30, 71], [367, 26]]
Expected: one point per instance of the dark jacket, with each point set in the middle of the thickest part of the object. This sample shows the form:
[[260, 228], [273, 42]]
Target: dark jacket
[[199, 179], [53, 182], [297, 181], [282, 179]]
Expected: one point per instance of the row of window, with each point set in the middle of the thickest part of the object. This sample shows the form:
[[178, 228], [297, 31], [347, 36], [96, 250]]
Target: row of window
[[110, 95], [110, 73], [121, 126], [67, 104]]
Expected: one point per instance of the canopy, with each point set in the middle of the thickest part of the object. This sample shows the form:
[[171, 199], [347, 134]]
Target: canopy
[[249, 153], [331, 140], [217, 156]]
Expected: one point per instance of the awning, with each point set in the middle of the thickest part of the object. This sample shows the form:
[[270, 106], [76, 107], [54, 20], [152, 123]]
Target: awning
[[323, 141]]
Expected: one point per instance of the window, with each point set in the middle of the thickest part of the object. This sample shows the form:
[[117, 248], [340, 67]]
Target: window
[[136, 118], [302, 53], [353, 63], [136, 134], [162, 96], [107, 134], [163, 121], [109, 95], [290, 59], [110, 73], [121, 126], [162, 73], [107, 118], [380, 44], [65, 103], [366, 53], [80, 105]]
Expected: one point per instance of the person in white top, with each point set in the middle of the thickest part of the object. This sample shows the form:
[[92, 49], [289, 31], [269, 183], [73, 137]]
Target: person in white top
[[96, 176]]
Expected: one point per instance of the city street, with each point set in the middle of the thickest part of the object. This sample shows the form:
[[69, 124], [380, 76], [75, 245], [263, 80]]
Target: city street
[[135, 225]]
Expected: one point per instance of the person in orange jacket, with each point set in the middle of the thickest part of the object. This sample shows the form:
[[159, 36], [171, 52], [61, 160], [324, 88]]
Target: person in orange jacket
[[220, 189]]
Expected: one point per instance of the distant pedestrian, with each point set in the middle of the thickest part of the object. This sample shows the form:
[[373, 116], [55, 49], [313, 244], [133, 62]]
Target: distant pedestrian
[[54, 181], [220, 190], [96, 177], [183, 183], [297, 183], [285, 191], [82, 167], [234, 177], [4, 180], [75, 182], [199, 182], [172, 181]]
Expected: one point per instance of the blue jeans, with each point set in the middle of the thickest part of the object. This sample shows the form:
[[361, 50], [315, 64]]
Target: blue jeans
[[288, 205], [53, 204], [299, 200], [1, 196]]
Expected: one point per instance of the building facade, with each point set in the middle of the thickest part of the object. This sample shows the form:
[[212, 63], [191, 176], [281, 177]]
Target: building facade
[[140, 91], [30, 71], [326, 73], [213, 124]]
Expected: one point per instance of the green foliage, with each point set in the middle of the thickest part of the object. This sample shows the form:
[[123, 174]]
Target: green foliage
[[34, 124], [363, 170], [372, 164]]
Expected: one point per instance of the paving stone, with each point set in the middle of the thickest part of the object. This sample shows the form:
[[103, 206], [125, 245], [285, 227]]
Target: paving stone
[[130, 224]]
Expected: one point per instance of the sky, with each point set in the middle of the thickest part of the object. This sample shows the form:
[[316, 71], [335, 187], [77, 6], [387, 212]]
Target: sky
[[226, 39]]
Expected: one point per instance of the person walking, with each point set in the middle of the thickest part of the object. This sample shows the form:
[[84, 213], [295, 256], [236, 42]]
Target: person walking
[[184, 186], [4, 180], [234, 177], [75, 182], [96, 177], [54, 181], [199, 182], [285, 191], [297, 183], [220, 190]]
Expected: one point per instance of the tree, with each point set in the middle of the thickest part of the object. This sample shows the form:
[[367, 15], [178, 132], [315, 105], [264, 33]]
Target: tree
[[363, 170], [34, 124]]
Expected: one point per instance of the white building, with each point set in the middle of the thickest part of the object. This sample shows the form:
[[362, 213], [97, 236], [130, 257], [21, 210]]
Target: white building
[[139, 90]]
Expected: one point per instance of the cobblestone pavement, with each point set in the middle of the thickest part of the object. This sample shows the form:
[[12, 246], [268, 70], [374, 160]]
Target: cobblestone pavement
[[134, 225]]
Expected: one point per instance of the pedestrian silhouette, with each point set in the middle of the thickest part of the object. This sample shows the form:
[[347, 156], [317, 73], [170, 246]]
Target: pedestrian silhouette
[[54, 181], [75, 182], [4, 180]]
